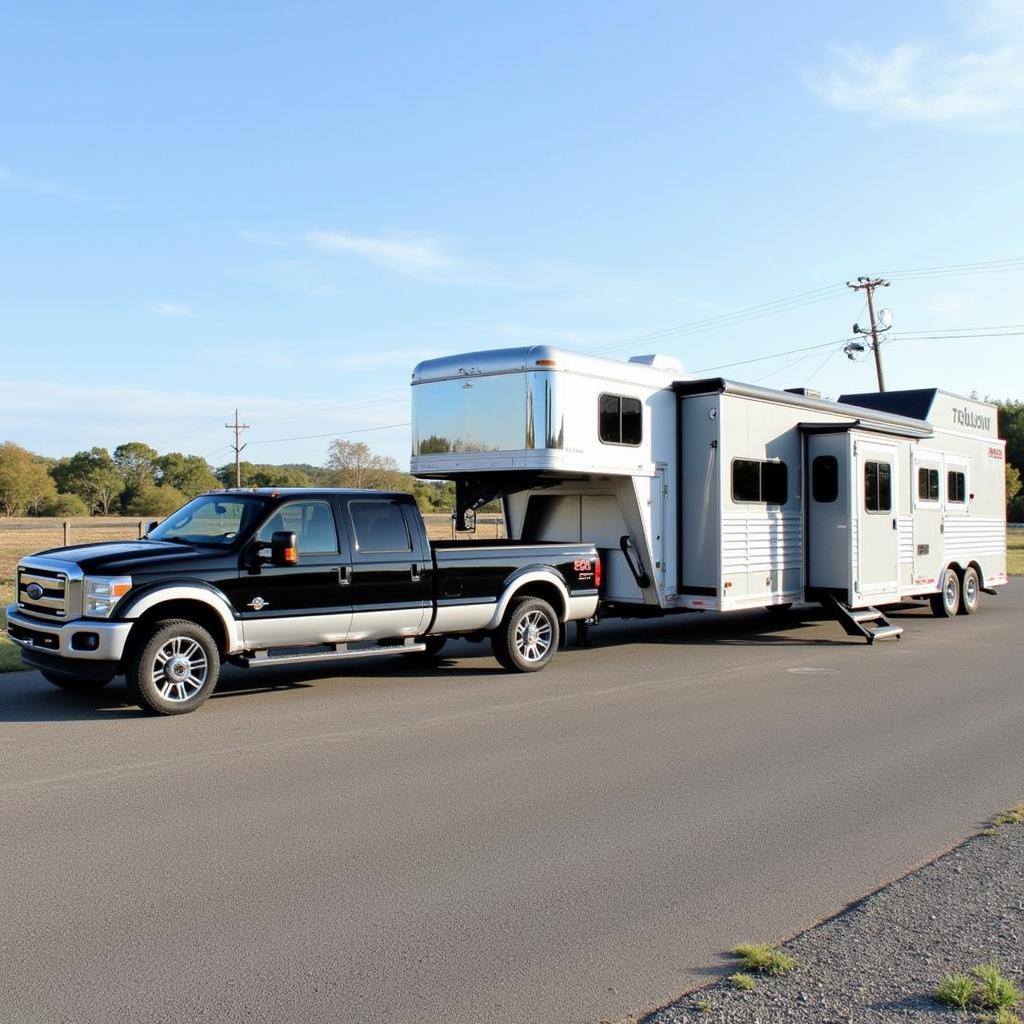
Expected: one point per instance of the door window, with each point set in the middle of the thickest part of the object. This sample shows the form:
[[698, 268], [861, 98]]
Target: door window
[[312, 522], [927, 484], [379, 525], [877, 487], [825, 478]]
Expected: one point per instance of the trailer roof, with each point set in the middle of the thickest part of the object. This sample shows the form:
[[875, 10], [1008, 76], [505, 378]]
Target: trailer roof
[[890, 422]]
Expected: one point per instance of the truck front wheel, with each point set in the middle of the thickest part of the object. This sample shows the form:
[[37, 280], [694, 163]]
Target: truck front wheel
[[174, 669], [527, 638]]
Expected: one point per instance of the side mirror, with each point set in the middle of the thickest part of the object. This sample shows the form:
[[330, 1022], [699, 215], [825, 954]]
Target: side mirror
[[284, 548], [151, 526]]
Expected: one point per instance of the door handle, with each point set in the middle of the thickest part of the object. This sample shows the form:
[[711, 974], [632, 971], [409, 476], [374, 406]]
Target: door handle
[[344, 575], [414, 574]]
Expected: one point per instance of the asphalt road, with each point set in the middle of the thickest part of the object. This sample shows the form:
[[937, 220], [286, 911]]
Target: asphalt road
[[398, 843]]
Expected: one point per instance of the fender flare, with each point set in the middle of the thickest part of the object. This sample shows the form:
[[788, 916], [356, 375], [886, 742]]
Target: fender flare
[[137, 606], [519, 579]]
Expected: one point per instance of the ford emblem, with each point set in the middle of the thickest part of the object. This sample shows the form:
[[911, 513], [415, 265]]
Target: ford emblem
[[34, 591]]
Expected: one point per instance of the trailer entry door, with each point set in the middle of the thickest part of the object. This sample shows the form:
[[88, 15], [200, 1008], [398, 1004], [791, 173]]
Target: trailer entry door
[[877, 540]]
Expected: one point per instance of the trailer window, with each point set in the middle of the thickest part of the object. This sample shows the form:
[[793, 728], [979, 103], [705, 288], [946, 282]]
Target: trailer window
[[620, 420], [754, 480], [877, 487], [927, 484], [825, 478], [956, 486]]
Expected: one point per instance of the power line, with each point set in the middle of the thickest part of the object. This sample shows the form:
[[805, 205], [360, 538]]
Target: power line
[[773, 355], [333, 433]]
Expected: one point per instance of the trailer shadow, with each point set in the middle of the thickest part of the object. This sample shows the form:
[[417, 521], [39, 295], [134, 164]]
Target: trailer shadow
[[735, 629]]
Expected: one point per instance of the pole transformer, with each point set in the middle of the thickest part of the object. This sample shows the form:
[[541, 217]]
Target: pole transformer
[[868, 285]]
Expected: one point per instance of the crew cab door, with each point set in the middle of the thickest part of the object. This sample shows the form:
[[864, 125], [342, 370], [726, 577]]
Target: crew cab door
[[390, 589], [307, 603]]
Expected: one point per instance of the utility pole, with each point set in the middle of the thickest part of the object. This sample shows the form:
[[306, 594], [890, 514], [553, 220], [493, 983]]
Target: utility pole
[[869, 284], [237, 428]]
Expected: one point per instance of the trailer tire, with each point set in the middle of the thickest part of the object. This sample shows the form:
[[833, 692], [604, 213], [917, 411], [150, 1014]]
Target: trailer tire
[[73, 684], [174, 668], [970, 591], [528, 636], [946, 602]]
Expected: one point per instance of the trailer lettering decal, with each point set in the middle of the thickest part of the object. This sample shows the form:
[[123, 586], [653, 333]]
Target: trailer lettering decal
[[995, 453], [966, 417]]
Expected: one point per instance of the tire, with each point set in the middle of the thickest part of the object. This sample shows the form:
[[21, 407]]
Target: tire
[[528, 636], [73, 683], [434, 645], [970, 591], [174, 669], [946, 602]]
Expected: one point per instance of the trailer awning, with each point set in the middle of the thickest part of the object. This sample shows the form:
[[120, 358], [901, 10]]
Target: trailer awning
[[872, 426]]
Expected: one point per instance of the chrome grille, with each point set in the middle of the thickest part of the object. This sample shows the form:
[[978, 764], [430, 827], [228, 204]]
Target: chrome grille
[[52, 603]]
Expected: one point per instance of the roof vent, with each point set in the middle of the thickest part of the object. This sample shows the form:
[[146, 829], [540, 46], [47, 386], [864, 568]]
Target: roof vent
[[659, 362], [806, 392]]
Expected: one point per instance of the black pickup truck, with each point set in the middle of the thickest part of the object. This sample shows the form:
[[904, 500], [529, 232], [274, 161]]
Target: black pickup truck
[[266, 577]]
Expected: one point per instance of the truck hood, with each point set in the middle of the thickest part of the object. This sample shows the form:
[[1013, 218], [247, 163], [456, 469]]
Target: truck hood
[[115, 558]]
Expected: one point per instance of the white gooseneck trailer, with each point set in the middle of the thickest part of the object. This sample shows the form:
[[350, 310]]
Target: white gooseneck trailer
[[710, 494]]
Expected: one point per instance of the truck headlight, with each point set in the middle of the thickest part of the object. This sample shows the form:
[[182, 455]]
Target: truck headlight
[[103, 592]]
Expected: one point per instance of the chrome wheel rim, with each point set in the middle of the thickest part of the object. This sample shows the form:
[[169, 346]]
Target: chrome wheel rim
[[180, 669], [970, 591], [951, 591], [534, 636]]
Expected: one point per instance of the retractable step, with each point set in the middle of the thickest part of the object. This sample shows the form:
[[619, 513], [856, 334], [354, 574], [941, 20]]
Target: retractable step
[[869, 623], [332, 652]]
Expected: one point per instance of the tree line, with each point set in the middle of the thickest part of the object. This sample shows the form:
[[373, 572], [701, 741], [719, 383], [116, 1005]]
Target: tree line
[[136, 480]]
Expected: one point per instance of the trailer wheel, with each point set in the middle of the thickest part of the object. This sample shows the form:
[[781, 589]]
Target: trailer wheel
[[947, 601], [970, 591], [73, 683], [528, 636], [174, 669]]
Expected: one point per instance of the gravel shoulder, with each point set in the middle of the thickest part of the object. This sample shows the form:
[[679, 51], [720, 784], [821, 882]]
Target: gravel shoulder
[[881, 959]]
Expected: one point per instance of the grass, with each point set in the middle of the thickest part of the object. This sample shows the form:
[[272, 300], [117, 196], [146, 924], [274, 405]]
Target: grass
[[705, 1005], [1015, 552], [764, 959], [744, 982], [955, 990], [1014, 816], [986, 988]]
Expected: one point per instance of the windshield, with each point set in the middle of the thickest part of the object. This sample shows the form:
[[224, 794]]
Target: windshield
[[211, 519]]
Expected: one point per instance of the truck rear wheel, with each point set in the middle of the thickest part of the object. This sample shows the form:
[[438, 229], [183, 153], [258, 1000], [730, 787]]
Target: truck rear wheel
[[947, 601], [174, 669], [527, 638]]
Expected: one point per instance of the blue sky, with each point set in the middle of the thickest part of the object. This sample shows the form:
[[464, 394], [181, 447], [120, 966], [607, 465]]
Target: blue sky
[[284, 207]]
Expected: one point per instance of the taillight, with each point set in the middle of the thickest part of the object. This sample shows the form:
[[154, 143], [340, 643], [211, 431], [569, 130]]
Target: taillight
[[597, 574]]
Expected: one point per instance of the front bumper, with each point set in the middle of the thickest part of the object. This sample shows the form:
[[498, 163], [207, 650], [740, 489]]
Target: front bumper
[[79, 640]]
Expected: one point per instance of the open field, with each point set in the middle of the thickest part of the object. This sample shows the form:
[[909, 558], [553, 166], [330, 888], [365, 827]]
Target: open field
[[1015, 552], [19, 537]]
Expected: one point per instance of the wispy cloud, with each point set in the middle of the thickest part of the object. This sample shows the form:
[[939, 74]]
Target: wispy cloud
[[8, 179], [413, 255], [169, 309], [920, 81]]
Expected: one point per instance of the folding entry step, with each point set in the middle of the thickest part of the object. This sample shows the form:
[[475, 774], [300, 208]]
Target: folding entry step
[[869, 623]]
